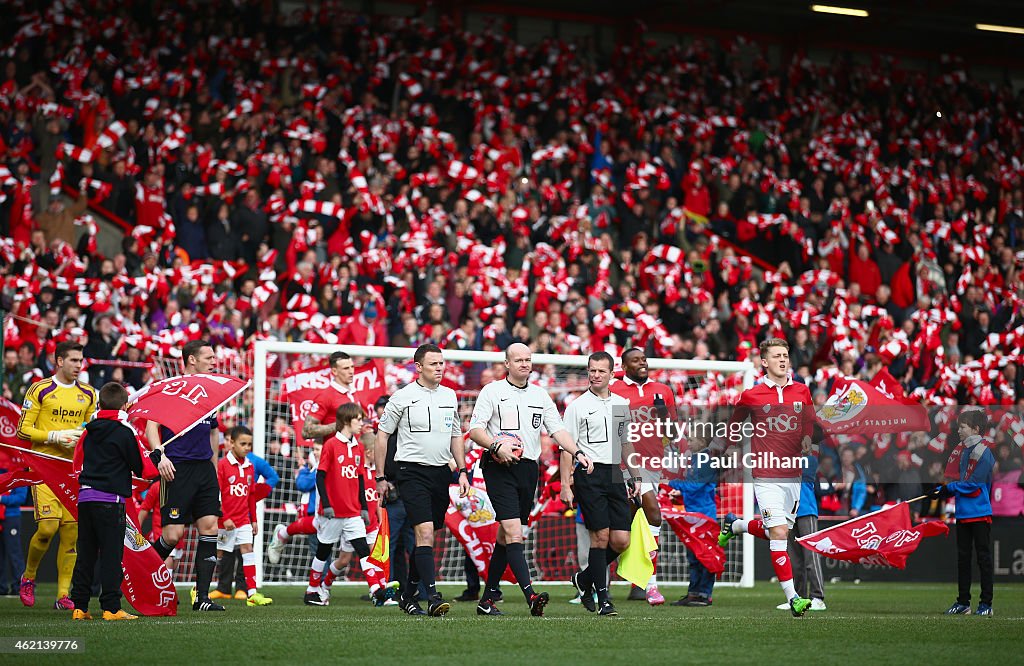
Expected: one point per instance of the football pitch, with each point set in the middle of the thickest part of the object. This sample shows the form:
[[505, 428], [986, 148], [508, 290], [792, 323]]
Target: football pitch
[[869, 623]]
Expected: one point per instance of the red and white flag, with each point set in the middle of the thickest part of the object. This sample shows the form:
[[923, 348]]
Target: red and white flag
[[10, 414], [180, 403], [698, 532], [882, 538], [147, 585], [857, 407]]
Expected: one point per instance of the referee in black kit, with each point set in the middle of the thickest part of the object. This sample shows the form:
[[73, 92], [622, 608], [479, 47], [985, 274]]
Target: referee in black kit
[[515, 406], [426, 417], [598, 420]]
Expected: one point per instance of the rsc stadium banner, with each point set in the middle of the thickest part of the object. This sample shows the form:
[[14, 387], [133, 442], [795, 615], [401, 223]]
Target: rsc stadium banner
[[857, 407], [299, 389]]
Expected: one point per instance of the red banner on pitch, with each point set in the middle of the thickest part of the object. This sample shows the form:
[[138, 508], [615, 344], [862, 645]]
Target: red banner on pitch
[[882, 538]]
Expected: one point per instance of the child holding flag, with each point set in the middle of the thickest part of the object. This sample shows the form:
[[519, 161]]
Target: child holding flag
[[698, 493], [107, 456], [971, 465]]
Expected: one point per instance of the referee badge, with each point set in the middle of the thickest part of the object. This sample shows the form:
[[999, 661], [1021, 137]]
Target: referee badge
[[622, 427], [537, 420]]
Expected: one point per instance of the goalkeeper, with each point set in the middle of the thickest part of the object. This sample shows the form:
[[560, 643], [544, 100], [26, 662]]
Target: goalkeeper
[[52, 419]]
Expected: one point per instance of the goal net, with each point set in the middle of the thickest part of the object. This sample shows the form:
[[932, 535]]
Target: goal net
[[283, 371]]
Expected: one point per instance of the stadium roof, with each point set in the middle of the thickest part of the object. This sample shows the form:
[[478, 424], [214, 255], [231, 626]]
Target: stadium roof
[[920, 28]]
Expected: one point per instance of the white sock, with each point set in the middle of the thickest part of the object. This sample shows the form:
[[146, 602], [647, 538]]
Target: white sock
[[739, 526], [335, 570], [788, 588]]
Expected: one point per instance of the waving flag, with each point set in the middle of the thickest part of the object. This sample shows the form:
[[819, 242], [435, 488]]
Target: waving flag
[[882, 538], [181, 403], [857, 407], [147, 585], [698, 532], [636, 564]]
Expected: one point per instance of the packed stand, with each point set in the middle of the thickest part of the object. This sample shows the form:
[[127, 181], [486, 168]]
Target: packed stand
[[361, 181]]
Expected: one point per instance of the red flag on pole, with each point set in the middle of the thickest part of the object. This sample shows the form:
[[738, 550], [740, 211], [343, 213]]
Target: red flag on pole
[[147, 585], [698, 532], [181, 403], [857, 407], [883, 538]]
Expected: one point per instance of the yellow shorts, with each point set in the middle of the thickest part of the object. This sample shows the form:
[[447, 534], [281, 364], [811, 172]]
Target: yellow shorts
[[48, 507]]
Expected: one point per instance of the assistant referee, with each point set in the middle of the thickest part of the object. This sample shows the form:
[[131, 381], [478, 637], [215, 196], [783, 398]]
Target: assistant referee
[[426, 417], [598, 421]]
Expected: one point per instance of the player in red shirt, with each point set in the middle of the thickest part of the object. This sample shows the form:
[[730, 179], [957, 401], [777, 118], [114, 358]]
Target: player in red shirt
[[387, 589], [782, 416], [649, 402], [237, 524], [343, 513], [319, 423]]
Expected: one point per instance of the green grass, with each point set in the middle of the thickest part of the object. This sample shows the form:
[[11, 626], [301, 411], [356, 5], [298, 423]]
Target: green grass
[[872, 623]]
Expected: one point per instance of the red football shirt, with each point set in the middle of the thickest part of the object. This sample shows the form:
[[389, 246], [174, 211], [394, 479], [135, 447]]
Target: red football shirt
[[781, 417], [372, 499], [237, 503], [343, 461], [641, 399], [327, 401]]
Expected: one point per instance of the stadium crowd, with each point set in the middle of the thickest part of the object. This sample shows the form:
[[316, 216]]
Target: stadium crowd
[[351, 180]]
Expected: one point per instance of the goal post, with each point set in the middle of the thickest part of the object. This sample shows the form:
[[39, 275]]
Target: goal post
[[267, 407]]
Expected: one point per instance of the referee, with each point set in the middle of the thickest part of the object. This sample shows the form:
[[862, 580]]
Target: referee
[[190, 492], [598, 420], [426, 417], [515, 406]]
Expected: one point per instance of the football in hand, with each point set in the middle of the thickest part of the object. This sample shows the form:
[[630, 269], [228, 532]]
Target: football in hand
[[509, 440]]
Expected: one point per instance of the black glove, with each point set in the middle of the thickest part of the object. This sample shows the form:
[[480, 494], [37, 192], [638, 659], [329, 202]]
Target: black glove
[[939, 492], [660, 407]]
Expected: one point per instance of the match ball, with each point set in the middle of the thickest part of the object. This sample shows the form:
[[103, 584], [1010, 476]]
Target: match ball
[[512, 440]]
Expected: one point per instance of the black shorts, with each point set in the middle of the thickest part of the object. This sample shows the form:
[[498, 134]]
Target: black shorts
[[512, 488], [602, 498], [424, 490], [194, 493]]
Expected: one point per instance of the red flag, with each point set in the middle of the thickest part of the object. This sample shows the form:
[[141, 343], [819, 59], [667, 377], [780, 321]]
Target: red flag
[[10, 414], [16, 478], [856, 407], [147, 585], [698, 532], [180, 403], [883, 538]]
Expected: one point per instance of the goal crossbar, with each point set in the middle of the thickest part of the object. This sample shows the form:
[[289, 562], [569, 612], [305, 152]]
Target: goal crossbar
[[263, 348]]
